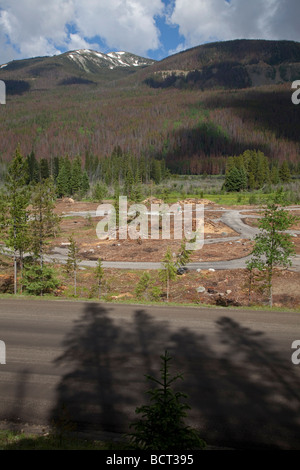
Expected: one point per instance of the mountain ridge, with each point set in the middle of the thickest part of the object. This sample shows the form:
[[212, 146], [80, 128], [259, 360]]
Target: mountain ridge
[[242, 63], [81, 66], [60, 109]]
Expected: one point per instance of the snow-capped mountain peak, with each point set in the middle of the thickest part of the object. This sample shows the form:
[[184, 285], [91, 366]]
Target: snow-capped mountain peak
[[88, 59]]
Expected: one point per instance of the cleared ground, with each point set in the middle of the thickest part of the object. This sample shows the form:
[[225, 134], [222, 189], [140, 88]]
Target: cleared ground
[[217, 273]]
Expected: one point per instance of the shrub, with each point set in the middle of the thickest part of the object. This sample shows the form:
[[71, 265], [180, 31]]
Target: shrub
[[39, 280], [143, 285], [253, 199]]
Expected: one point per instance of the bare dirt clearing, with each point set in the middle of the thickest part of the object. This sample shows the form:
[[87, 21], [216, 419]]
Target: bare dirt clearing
[[222, 243], [223, 287], [83, 230]]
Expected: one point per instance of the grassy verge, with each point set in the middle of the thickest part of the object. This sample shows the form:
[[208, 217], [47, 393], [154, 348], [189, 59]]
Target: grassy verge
[[254, 307], [11, 440]]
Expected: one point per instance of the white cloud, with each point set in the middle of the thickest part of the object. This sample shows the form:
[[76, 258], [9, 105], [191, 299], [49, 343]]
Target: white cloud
[[181, 47], [209, 20], [128, 24], [38, 27], [77, 42], [35, 27]]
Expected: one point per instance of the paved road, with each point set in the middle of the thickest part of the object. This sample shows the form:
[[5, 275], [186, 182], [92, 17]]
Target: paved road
[[90, 359]]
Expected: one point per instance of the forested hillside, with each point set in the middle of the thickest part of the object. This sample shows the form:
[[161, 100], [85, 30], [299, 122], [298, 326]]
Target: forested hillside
[[192, 131], [231, 64]]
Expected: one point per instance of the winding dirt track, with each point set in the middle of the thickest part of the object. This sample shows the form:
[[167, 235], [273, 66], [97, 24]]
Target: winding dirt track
[[231, 218]]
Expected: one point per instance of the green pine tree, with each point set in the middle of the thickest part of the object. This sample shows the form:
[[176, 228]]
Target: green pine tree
[[44, 169], [161, 426], [235, 180], [76, 176], [284, 172], [44, 223], [128, 184], [33, 168], [273, 246], [183, 255], [99, 274], [73, 261], [168, 273], [17, 196], [99, 192], [117, 203], [143, 285], [156, 171], [275, 175], [85, 183], [39, 280], [63, 180]]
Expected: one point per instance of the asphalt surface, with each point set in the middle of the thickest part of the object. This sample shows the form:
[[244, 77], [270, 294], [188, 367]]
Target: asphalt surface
[[87, 361]]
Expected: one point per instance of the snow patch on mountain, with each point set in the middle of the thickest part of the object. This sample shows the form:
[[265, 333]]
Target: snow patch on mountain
[[88, 59]]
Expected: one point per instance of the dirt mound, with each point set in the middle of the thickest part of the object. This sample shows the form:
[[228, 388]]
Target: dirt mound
[[154, 200]]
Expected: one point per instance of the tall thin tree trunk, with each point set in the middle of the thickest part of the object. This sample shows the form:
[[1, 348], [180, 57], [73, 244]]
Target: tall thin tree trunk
[[21, 272], [15, 272], [250, 286], [15, 259], [75, 282], [270, 288], [41, 239], [168, 288], [41, 265], [41, 258]]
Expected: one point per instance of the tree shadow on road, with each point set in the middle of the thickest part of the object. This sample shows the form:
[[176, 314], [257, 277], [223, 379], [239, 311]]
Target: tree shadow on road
[[243, 394], [247, 395]]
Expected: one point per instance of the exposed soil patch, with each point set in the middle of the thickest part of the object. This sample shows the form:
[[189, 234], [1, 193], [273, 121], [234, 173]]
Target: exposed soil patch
[[83, 229], [227, 288], [251, 221], [64, 206]]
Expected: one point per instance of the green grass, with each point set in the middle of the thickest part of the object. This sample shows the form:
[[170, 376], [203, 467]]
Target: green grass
[[224, 199], [254, 307]]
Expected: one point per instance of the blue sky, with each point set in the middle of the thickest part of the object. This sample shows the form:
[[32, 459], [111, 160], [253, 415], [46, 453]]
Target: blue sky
[[151, 28]]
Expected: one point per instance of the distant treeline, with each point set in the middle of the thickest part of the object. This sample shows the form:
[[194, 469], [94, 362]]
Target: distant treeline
[[252, 170], [124, 173], [74, 176]]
